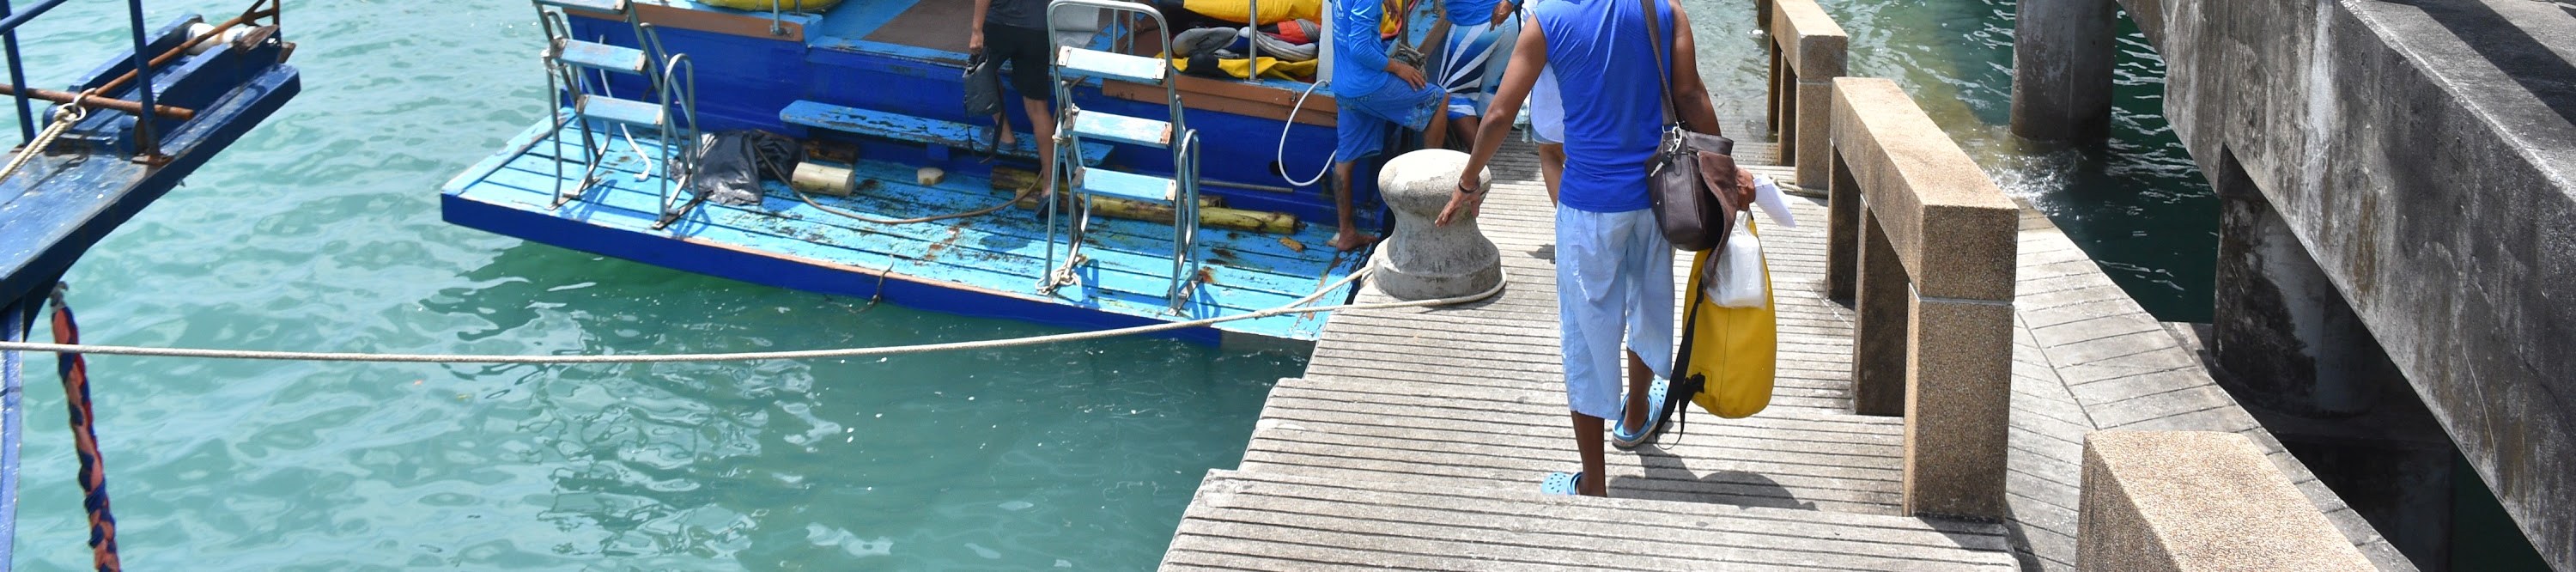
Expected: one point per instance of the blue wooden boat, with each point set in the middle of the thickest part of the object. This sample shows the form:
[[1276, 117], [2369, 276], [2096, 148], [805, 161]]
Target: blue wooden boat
[[642, 80], [93, 159]]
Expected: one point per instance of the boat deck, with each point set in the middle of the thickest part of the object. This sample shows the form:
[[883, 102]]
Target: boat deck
[[938, 265]]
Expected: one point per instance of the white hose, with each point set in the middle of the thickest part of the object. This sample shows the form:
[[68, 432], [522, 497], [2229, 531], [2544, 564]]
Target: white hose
[[1281, 156], [1290, 308]]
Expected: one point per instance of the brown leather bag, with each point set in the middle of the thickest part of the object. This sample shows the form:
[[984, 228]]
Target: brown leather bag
[[1692, 177]]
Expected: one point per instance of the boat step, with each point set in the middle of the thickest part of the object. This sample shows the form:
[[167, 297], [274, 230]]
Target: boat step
[[625, 111], [596, 55], [1114, 127], [1096, 63], [611, 6], [1148, 188], [915, 129]]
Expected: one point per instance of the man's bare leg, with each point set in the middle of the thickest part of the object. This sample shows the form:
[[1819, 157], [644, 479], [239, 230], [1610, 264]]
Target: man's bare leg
[[1465, 128], [1551, 166], [1042, 126], [1349, 238], [1641, 380], [1587, 444], [1002, 129]]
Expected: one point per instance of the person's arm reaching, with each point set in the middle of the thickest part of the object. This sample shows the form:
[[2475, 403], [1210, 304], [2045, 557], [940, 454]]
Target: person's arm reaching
[[975, 28], [1355, 38], [1529, 56], [1690, 97]]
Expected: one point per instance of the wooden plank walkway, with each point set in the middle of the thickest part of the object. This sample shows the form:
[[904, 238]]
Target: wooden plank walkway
[[1417, 437]]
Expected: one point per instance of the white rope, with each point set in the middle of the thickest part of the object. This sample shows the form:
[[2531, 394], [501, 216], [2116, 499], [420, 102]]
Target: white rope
[[64, 118], [1291, 308]]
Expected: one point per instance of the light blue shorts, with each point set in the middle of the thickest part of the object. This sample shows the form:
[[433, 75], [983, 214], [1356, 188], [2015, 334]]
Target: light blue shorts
[[1614, 283]]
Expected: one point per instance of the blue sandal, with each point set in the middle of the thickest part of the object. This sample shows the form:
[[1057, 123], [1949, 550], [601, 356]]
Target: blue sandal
[[1561, 484], [1623, 438]]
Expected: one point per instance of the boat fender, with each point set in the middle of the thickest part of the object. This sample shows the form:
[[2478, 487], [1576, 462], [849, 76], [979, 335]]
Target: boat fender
[[201, 28], [819, 178]]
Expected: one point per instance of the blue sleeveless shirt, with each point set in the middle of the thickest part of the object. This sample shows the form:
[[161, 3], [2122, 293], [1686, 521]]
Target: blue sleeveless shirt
[[1614, 111]]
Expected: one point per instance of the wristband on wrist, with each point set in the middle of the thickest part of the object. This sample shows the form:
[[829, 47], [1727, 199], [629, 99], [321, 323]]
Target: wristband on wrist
[[1463, 190]]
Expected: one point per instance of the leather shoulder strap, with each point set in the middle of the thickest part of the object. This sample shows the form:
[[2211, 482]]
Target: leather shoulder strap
[[1663, 66]]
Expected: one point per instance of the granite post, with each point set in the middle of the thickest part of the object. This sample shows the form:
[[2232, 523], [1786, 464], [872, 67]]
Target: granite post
[[2198, 500]]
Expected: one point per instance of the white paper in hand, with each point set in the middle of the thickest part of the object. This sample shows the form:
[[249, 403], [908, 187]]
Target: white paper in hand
[[1767, 195]]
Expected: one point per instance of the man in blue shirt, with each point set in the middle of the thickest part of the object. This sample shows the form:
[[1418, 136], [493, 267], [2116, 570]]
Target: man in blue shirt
[[1374, 94], [1614, 269]]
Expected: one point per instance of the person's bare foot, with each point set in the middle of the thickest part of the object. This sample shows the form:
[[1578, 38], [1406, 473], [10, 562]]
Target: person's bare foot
[[1348, 240]]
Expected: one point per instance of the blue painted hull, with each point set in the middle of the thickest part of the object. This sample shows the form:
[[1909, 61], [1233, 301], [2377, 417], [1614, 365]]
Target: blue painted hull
[[750, 77]]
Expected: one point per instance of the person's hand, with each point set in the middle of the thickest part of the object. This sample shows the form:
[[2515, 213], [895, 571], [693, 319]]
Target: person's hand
[[1411, 76], [1502, 10], [975, 42], [1461, 204], [1744, 187]]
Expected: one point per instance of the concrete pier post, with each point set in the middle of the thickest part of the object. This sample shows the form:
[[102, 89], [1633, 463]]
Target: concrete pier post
[[2283, 337], [2062, 70]]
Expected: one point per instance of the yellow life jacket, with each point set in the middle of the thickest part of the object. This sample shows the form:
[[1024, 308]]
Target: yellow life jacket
[[1272, 11]]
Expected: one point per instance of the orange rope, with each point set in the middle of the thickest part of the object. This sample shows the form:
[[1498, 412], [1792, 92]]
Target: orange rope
[[93, 467]]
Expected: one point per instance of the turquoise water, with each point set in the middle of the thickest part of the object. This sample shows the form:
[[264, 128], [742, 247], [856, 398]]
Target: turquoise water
[[320, 230]]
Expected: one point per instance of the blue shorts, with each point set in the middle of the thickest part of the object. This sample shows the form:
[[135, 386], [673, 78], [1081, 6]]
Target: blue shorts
[[1614, 284], [1362, 122]]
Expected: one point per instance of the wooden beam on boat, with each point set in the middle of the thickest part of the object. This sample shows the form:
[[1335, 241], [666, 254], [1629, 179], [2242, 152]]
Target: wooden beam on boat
[[685, 18], [1233, 96]]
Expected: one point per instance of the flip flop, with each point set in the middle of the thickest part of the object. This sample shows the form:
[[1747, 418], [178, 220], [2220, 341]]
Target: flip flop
[[1622, 438], [1562, 484]]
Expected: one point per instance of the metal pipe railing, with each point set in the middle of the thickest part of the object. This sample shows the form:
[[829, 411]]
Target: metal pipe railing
[[18, 80], [148, 148], [10, 24]]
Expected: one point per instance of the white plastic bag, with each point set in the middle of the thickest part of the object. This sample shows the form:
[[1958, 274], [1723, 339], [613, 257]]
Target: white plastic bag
[[1767, 195], [1736, 279]]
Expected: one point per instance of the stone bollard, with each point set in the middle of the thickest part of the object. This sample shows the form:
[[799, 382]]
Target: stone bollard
[[1421, 261]]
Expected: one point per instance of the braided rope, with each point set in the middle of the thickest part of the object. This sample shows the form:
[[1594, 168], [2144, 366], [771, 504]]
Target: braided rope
[[64, 118], [93, 466], [1295, 307]]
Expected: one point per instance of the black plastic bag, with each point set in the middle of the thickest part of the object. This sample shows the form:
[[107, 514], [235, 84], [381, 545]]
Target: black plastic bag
[[734, 162], [983, 87]]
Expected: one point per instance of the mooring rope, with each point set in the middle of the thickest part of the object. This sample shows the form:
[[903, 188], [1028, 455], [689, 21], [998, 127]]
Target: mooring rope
[[93, 466], [1295, 307], [64, 118]]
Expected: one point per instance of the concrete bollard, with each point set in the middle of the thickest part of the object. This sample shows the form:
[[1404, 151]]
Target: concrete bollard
[[1421, 261], [2186, 501]]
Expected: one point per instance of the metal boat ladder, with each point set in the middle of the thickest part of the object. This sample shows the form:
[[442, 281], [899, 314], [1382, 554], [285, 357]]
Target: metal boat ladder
[[1075, 125], [671, 113]]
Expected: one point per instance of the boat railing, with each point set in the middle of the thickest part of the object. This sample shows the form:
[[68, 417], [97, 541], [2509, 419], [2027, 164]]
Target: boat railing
[[776, 26], [18, 91]]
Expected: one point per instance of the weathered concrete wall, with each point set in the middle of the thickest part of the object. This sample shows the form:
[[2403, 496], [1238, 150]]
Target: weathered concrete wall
[[2424, 152]]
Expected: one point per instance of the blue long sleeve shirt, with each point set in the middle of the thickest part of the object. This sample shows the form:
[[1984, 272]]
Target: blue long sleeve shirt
[[1359, 57]]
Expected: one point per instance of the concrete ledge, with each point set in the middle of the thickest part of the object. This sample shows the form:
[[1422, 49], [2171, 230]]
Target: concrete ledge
[[1915, 178], [2197, 500], [1815, 46]]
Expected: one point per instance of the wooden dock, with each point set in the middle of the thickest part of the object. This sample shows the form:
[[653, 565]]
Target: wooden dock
[[1417, 437]]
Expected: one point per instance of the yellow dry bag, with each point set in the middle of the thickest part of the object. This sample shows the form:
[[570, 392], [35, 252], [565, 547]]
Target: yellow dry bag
[[1730, 354]]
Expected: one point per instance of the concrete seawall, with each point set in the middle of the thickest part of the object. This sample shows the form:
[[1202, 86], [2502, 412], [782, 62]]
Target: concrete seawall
[[2399, 177]]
